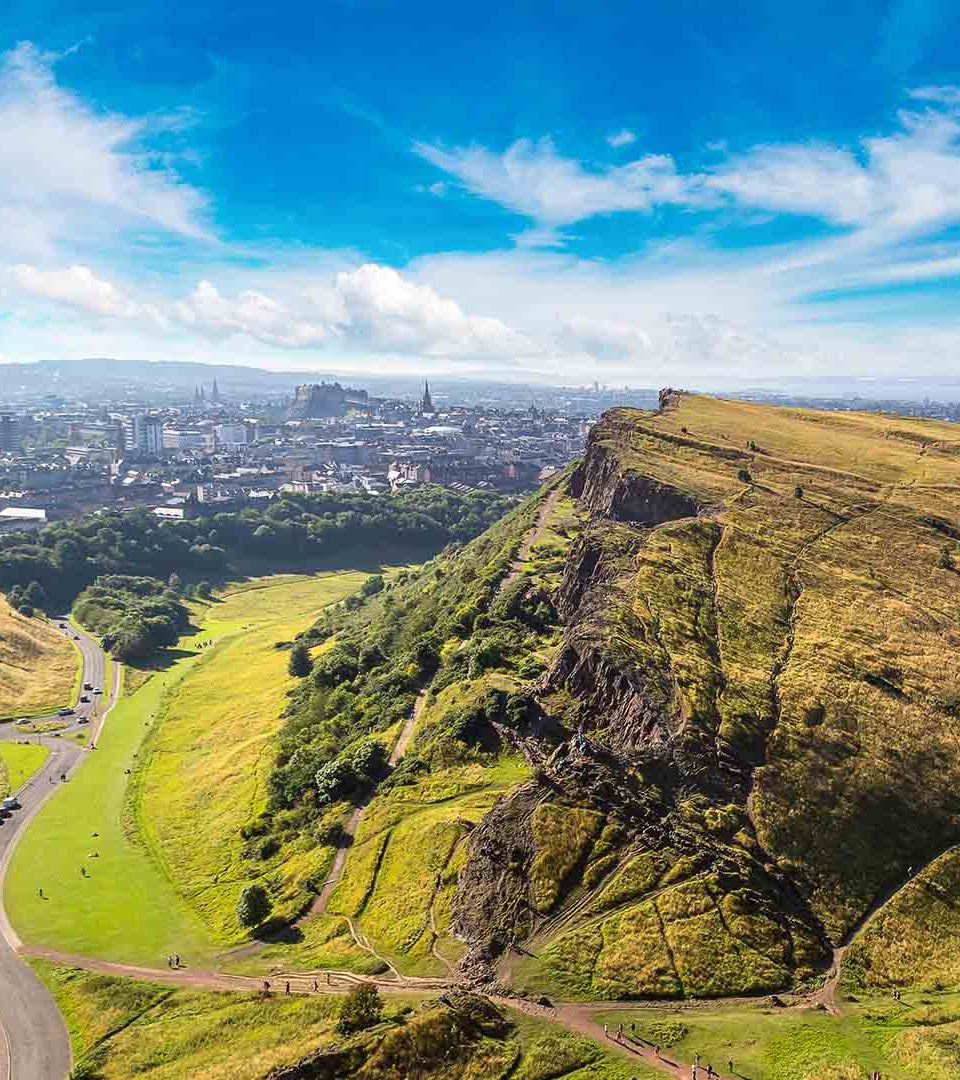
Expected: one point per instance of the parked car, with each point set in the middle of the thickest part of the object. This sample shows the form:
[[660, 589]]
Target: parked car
[[11, 803], [88, 686], [22, 721]]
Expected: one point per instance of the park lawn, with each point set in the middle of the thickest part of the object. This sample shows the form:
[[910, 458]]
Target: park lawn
[[39, 666], [18, 762], [125, 909], [206, 764]]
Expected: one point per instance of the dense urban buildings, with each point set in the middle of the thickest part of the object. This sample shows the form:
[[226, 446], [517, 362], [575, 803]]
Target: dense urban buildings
[[73, 451]]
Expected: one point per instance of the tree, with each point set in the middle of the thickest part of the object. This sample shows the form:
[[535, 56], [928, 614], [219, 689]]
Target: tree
[[204, 590], [372, 585], [945, 562], [253, 907], [300, 662], [361, 1008], [743, 476], [798, 492], [174, 583]]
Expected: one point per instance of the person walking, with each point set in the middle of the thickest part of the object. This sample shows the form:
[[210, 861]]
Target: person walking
[[176, 960], [266, 986], [316, 987], [606, 1032], [287, 988], [730, 1066]]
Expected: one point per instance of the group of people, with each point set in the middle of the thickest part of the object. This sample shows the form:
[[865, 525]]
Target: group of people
[[286, 985], [173, 961], [697, 1071]]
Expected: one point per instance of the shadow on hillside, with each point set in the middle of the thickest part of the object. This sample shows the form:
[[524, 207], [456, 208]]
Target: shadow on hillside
[[278, 933]]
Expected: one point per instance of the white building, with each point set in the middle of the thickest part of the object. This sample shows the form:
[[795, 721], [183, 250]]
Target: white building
[[143, 434], [178, 439], [18, 518], [230, 436]]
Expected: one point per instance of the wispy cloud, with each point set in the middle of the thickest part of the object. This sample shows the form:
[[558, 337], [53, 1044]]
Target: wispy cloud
[[68, 172], [624, 137], [533, 179]]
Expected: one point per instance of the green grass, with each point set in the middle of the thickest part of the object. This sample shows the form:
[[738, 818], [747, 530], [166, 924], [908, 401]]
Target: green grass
[[196, 773], [563, 836], [125, 909], [909, 1041], [206, 764], [18, 762], [123, 1027]]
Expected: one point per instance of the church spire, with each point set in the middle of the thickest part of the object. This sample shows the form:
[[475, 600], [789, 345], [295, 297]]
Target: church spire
[[426, 402], [215, 392]]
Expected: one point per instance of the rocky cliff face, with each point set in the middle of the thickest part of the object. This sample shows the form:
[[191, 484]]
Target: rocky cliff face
[[603, 487]]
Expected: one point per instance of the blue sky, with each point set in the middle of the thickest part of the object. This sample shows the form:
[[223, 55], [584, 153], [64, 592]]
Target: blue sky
[[632, 192]]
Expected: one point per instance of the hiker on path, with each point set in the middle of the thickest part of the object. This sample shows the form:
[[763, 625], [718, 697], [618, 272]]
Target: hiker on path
[[606, 1030], [316, 987], [287, 990], [266, 986]]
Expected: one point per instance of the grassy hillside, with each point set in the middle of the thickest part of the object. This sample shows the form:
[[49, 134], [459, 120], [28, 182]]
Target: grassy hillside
[[203, 770], [730, 665], [121, 1028], [39, 667]]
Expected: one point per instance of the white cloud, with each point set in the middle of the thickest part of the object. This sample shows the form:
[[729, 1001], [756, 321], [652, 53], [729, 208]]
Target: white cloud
[[624, 137], [79, 288], [903, 183], [381, 307], [942, 95], [252, 314], [68, 172], [532, 179]]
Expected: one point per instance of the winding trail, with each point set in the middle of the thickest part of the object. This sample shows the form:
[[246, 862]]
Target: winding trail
[[35, 1043], [350, 829]]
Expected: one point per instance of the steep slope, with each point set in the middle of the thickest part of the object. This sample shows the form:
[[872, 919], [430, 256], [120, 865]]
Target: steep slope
[[732, 671]]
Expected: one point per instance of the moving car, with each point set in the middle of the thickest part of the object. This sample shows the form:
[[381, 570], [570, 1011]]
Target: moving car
[[97, 690], [11, 803], [65, 712], [84, 698]]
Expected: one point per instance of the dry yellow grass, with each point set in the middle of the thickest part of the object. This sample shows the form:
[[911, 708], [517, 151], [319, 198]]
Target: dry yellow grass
[[209, 760], [38, 665]]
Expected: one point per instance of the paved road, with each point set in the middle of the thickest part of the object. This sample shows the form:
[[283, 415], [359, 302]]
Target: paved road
[[34, 1042]]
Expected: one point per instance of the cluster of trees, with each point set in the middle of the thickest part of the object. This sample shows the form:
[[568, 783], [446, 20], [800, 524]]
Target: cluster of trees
[[444, 622], [135, 616], [65, 557]]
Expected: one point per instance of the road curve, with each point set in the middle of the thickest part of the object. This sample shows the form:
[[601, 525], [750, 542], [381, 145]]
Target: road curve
[[34, 1041]]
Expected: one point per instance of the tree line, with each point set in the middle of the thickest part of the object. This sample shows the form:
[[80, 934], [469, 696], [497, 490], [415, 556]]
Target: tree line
[[102, 561]]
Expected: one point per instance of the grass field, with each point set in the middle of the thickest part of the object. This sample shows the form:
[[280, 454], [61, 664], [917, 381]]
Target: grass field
[[131, 906], [18, 762], [914, 1040], [125, 909], [39, 667], [205, 766], [121, 1028]]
